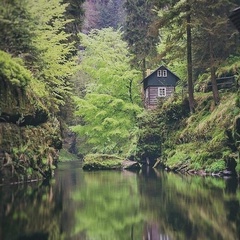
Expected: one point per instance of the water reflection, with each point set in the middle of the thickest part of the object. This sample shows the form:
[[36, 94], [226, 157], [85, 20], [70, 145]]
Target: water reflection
[[102, 205]]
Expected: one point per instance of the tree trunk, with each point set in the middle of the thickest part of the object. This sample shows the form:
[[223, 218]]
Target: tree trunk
[[216, 97], [144, 68], [189, 60]]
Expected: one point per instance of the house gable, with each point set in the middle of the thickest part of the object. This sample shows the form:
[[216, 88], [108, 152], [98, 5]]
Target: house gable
[[160, 77]]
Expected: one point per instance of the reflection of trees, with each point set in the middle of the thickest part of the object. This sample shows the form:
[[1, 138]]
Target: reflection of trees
[[38, 210], [29, 212], [189, 207], [108, 208]]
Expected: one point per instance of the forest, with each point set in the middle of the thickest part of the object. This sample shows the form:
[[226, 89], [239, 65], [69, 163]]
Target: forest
[[70, 84]]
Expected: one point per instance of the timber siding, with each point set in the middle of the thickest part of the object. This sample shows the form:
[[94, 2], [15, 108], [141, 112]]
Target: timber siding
[[152, 93]]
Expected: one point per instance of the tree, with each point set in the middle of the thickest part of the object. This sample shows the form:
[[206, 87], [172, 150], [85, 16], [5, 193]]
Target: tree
[[16, 29], [109, 107], [74, 12], [56, 62], [189, 58], [176, 41], [103, 14], [141, 42], [211, 33]]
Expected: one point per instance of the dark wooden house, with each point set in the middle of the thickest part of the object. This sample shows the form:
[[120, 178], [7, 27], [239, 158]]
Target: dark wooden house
[[160, 83], [235, 18]]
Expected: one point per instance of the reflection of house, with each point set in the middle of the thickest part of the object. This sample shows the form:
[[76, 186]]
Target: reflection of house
[[235, 18], [159, 84]]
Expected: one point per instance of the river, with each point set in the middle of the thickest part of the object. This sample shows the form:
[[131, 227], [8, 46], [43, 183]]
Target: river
[[121, 205]]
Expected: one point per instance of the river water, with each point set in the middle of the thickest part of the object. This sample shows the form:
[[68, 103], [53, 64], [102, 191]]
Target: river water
[[121, 205]]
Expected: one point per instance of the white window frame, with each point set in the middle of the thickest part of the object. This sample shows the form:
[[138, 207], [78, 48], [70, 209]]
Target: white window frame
[[161, 73], [162, 92], [164, 73]]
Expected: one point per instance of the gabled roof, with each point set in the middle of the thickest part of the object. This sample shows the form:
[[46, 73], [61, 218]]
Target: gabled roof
[[156, 71], [235, 18]]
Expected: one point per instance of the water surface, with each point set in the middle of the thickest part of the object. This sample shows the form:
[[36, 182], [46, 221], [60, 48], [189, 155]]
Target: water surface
[[114, 205]]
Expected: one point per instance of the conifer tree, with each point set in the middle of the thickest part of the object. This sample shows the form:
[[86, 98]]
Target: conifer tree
[[142, 43], [74, 12], [16, 29], [212, 38]]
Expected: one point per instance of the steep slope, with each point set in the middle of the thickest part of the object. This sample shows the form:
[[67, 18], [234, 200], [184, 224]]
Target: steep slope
[[29, 135]]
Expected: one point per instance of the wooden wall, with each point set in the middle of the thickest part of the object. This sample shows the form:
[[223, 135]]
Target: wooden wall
[[152, 99]]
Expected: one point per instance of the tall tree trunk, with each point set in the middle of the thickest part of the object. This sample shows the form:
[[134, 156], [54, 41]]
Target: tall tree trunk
[[216, 97], [144, 68], [189, 60]]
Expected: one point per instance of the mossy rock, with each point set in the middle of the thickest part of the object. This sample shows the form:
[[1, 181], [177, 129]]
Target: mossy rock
[[107, 162]]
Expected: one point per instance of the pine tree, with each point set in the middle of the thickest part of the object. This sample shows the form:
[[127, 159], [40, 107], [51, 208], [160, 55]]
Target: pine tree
[[212, 38], [142, 43], [74, 12], [16, 29], [102, 14], [175, 23]]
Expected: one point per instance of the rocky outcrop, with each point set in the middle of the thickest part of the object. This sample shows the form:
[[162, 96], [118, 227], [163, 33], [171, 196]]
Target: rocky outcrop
[[30, 136]]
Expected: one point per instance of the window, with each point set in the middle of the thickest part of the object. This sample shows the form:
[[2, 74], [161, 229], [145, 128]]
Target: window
[[162, 92], [162, 73]]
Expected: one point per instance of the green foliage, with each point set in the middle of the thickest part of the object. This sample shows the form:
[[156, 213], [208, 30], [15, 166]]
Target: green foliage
[[216, 166], [56, 63], [102, 161], [106, 60], [13, 71], [16, 28], [107, 122], [137, 32], [177, 159], [202, 141], [149, 137], [110, 105]]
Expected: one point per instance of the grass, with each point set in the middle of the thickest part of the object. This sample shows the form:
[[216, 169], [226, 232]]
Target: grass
[[65, 156], [201, 141]]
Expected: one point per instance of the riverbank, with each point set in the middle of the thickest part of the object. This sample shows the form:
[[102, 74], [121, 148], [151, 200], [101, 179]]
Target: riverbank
[[205, 142]]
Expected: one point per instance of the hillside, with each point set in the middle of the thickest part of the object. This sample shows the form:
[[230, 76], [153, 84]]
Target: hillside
[[206, 141]]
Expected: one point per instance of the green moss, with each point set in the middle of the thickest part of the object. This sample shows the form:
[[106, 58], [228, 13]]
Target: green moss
[[102, 161], [12, 71]]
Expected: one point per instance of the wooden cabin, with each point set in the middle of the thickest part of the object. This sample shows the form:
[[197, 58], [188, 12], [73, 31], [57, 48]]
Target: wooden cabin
[[235, 18], [158, 84]]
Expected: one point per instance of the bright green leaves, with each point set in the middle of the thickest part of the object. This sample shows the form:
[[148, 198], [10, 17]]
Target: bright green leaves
[[109, 108], [12, 71], [106, 59], [56, 64], [108, 122]]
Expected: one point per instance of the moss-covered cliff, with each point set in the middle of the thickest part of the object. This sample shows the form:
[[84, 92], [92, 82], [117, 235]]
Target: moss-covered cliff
[[29, 135]]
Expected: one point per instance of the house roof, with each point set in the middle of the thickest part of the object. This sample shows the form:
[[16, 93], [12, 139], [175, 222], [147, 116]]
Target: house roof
[[235, 18], [155, 72]]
